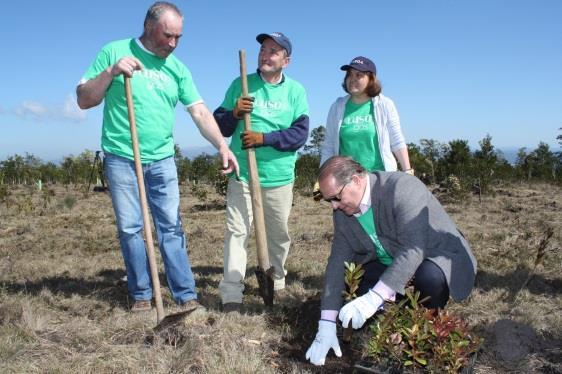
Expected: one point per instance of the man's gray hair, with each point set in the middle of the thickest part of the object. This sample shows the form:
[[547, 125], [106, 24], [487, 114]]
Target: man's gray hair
[[341, 168], [155, 11]]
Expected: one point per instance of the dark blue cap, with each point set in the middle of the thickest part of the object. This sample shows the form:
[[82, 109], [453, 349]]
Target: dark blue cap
[[278, 38], [362, 64]]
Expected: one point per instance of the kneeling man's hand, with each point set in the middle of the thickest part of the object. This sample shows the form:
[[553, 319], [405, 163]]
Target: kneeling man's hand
[[360, 309], [325, 340]]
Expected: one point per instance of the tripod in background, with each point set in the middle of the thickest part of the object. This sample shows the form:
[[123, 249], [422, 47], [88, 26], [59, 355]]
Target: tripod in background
[[98, 165]]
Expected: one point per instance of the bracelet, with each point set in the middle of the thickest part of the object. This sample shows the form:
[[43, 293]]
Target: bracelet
[[409, 171]]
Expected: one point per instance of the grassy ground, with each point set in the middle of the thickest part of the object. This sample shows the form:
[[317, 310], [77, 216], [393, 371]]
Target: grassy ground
[[64, 306]]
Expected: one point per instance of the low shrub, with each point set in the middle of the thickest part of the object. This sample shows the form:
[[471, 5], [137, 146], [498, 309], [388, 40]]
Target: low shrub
[[408, 336]]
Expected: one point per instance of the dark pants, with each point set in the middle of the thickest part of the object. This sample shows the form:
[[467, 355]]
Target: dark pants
[[429, 280]]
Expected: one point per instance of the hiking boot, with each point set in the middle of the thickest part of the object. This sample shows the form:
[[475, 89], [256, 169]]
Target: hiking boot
[[232, 307], [141, 306], [191, 305]]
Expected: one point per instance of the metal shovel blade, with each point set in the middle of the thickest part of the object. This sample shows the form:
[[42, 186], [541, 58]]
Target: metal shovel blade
[[265, 285], [172, 320]]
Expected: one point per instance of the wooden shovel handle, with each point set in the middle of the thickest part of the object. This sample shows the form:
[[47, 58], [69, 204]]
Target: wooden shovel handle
[[255, 187], [144, 204]]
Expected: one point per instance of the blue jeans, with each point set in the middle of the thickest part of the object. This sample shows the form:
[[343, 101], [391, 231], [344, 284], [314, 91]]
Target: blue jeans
[[161, 185]]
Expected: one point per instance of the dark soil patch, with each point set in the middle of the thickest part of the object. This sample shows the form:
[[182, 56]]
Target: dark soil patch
[[304, 324], [515, 341]]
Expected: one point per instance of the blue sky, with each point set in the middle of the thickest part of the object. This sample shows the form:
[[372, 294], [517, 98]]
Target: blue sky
[[455, 69]]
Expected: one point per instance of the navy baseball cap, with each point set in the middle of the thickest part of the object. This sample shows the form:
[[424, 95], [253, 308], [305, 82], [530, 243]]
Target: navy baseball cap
[[362, 64], [278, 38]]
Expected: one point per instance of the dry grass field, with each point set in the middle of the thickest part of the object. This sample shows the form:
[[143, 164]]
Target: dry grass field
[[64, 306]]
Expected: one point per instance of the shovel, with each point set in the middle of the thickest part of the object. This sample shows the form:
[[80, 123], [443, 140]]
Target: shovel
[[264, 272], [162, 321]]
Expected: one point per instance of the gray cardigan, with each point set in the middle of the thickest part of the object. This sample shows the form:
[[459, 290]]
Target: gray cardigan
[[412, 226]]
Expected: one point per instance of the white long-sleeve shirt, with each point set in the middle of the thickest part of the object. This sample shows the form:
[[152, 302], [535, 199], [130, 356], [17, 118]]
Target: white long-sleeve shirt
[[389, 133]]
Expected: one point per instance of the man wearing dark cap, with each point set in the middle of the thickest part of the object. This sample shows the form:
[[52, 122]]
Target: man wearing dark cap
[[279, 115]]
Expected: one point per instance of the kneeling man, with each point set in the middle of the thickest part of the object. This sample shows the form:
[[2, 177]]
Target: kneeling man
[[395, 227]]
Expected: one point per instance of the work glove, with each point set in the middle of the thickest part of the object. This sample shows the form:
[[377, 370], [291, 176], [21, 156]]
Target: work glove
[[251, 139], [325, 340], [316, 194], [360, 309], [244, 104]]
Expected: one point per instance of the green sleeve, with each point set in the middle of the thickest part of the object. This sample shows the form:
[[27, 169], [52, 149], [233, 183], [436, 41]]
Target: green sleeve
[[300, 103], [188, 93], [232, 95], [101, 62]]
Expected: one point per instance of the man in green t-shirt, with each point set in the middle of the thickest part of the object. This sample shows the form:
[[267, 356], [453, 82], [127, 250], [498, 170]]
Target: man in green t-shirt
[[159, 80], [279, 115]]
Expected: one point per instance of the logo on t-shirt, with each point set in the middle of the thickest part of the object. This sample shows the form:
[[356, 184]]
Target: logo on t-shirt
[[359, 122], [269, 107], [155, 80]]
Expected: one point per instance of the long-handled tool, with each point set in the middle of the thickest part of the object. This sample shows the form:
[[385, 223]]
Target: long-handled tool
[[144, 204], [264, 272], [164, 323]]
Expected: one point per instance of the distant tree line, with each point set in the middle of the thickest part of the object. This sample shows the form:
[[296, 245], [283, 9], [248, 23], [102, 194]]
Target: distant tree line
[[29, 169], [433, 161], [83, 170], [436, 162], [455, 163]]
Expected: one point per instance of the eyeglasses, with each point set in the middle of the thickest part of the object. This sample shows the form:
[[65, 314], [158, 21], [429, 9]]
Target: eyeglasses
[[337, 197]]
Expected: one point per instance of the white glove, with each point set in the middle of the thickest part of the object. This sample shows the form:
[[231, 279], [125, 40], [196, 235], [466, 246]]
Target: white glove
[[360, 309], [325, 339]]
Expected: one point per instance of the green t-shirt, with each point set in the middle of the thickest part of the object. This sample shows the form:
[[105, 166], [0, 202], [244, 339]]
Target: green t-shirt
[[276, 107], [367, 221], [156, 91], [358, 136]]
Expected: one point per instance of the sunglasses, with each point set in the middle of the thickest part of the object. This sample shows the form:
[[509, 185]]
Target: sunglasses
[[337, 197]]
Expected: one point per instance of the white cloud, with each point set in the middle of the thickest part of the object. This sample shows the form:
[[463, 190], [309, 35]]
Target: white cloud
[[31, 109], [67, 111], [71, 111]]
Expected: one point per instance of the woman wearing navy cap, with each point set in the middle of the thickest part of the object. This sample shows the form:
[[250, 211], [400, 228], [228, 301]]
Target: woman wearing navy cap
[[364, 124]]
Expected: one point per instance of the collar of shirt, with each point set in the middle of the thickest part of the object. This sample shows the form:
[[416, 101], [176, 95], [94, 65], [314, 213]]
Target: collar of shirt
[[139, 43], [281, 78], [365, 203]]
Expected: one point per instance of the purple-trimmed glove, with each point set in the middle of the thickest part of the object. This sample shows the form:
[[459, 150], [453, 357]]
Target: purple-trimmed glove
[[325, 340], [360, 310]]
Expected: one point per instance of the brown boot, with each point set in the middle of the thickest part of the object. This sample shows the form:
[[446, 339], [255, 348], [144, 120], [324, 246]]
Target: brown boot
[[141, 306], [191, 305]]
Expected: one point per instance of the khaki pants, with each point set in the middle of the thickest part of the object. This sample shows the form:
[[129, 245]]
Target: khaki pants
[[277, 202]]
